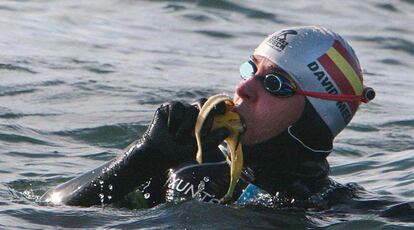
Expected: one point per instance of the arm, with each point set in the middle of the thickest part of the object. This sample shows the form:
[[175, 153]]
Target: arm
[[166, 143]]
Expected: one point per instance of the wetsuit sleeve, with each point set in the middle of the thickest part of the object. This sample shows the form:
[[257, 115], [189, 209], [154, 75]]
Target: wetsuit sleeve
[[148, 158], [112, 181]]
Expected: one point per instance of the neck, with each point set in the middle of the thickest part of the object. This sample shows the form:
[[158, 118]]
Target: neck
[[298, 152]]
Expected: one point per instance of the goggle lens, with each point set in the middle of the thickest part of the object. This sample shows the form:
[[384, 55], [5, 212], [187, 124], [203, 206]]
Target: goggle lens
[[275, 84], [278, 85], [247, 69]]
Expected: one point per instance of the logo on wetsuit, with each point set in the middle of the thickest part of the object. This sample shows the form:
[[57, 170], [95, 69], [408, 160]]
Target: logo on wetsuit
[[278, 41], [189, 189]]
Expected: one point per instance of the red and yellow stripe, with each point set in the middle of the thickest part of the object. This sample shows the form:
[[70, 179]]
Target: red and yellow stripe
[[344, 70]]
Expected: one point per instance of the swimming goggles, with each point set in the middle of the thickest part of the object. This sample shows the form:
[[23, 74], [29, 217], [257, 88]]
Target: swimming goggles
[[283, 86]]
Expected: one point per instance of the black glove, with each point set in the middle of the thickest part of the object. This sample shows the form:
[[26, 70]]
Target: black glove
[[171, 131]]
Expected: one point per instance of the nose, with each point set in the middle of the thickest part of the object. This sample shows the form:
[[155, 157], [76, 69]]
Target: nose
[[247, 89]]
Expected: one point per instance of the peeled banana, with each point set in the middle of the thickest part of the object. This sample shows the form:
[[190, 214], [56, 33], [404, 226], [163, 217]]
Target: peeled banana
[[231, 121]]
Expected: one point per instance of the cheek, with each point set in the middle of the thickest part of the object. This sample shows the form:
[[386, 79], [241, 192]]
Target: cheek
[[265, 114], [277, 114]]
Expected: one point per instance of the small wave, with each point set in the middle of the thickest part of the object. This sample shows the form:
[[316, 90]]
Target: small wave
[[353, 167], [198, 17], [175, 7], [7, 114], [216, 34], [391, 61], [17, 187], [399, 123], [53, 154], [52, 83], [102, 156], [27, 88], [189, 95], [409, 1], [95, 87], [200, 215], [13, 91], [362, 127], [110, 136], [15, 68], [347, 150], [98, 70], [21, 138], [92, 66], [400, 161], [223, 6], [8, 8], [79, 61], [18, 134], [237, 8], [387, 6], [32, 216], [390, 43]]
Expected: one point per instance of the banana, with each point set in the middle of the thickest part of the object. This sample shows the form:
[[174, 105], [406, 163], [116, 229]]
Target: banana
[[231, 121]]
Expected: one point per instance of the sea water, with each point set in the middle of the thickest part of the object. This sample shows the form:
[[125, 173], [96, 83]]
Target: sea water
[[80, 80]]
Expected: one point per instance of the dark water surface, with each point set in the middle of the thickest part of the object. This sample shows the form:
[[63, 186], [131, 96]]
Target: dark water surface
[[79, 80]]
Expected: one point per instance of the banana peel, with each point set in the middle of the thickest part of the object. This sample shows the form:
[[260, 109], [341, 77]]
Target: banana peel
[[231, 121]]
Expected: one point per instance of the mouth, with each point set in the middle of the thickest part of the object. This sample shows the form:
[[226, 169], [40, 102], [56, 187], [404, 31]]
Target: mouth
[[242, 121]]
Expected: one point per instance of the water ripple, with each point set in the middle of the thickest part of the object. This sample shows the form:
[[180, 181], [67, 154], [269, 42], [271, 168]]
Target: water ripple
[[362, 127], [237, 8], [391, 61], [157, 97], [353, 167], [114, 136], [387, 6], [401, 161], [21, 138], [16, 68], [102, 156], [222, 5], [93, 66], [7, 114], [202, 215], [216, 34], [407, 123], [390, 43], [31, 155], [73, 70], [17, 134], [197, 17], [13, 91], [7, 8], [175, 7]]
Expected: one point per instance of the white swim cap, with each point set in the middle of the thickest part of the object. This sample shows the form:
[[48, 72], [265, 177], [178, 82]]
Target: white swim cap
[[322, 61]]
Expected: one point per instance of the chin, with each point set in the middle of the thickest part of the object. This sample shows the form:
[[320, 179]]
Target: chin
[[248, 139]]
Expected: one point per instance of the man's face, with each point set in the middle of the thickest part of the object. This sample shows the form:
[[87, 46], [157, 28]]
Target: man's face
[[264, 114]]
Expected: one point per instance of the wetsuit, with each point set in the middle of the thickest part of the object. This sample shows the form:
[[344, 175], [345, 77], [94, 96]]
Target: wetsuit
[[160, 166], [291, 168]]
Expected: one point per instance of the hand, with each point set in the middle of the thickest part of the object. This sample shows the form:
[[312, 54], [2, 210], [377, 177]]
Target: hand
[[172, 131], [168, 141]]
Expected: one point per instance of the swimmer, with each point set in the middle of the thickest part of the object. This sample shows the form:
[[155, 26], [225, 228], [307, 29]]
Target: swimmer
[[299, 89]]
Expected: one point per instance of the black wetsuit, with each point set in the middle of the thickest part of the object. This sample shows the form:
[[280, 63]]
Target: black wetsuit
[[290, 167]]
